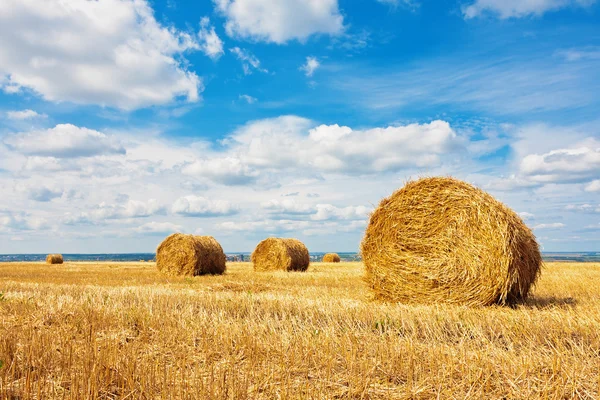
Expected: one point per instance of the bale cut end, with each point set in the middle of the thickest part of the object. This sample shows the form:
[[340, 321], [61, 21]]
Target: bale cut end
[[54, 259], [190, 255], [443, 240], [331, 258], [280, 254]]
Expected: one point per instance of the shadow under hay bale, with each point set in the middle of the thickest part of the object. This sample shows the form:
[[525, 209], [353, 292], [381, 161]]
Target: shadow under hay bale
[[280, 254], [331, 258], [54, 259], [190, 255], [443, 240]]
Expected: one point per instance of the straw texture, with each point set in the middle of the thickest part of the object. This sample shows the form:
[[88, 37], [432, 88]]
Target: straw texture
[[331, 258], [181, 254], [280, 254], [54, 259], [443, 240]]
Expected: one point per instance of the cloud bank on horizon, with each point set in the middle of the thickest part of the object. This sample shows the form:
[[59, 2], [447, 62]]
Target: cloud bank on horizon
[[122, 121]]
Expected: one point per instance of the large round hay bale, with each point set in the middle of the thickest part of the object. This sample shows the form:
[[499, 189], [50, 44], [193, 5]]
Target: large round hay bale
[[443, 240], [181, 254], [54, 259], [283, 254], [331, 258]]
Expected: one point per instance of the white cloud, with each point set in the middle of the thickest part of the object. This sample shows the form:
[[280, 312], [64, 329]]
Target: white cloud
[[210, 43], [110, 53], [519, 8], [24, 114], [228, 171], [310, 66], [248, 60], [248, 99], [564, 165], [287, 207], [107, 211], [280, 21], [555, 225], [64, 141], [269, 226], [291, 210], [197, 206], [158, 228], [593, 186], [526, 216], [328, 212], [340, 149], [11, 222]]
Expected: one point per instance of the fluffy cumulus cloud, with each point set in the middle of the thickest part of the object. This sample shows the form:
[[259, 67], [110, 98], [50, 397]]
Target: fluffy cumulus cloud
[[519, 8], [341, 149], [210, 43], [280, 21], [106, 211], [198, 206], [14, 222], [111, 53], [593, 186], [24, 114], [564, 165], [64, 141]]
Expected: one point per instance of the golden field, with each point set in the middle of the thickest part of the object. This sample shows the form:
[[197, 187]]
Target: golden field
[[124, 331]]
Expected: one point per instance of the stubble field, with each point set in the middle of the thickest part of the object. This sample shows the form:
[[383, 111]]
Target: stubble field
[[122, 330]]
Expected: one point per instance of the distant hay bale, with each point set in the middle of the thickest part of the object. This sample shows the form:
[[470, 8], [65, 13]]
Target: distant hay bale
[[443, 240], [331, 258], [54, 259], [181, 254], [280, 254]]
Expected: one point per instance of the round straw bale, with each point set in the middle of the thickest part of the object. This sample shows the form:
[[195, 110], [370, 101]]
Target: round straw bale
[[331, 258], [443, 240], [54, 259], [278, 253], [181, 254]]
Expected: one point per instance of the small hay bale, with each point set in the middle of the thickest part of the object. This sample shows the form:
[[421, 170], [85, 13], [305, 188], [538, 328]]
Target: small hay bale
[[443, 240], [181, 254], [277, 253], [331, 258], [54, 259]]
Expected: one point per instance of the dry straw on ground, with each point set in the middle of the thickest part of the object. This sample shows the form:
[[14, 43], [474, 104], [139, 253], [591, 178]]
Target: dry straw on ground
[[181, 254], [278, 253], [331, 258], [443, 240], [54, 259]]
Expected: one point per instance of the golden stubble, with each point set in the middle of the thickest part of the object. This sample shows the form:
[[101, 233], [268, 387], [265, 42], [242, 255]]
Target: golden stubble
[[124, 330]]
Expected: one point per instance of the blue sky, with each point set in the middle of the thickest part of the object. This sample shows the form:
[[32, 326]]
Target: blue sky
[[122, 121]]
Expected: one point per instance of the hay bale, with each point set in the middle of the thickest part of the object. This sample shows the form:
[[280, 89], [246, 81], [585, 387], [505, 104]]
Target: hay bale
[[443, 240], [181, 254], [331, 258], [54, 259], [277, 253]]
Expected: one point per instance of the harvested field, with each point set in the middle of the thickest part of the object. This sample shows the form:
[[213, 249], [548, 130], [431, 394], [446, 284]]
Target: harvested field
[[124, 330]]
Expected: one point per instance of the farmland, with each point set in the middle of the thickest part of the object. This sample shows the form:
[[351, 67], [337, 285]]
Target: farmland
[[123, 330]]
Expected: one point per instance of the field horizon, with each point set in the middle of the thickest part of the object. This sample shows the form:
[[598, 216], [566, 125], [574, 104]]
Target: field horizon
[[118, 330]]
